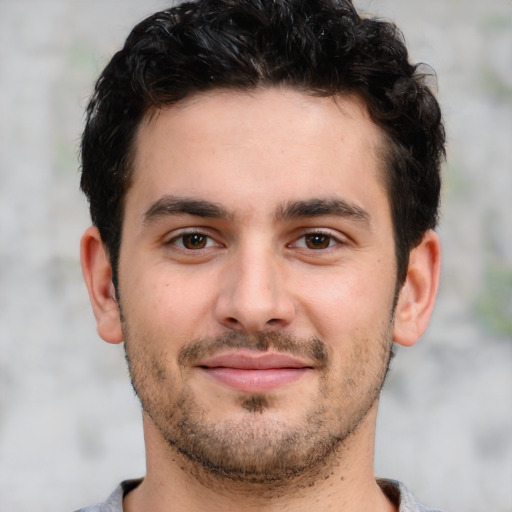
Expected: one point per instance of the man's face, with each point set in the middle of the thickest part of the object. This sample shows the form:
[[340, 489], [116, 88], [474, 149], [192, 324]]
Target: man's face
[[257, 278]]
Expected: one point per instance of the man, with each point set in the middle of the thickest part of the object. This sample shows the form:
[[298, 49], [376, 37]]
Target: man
[[263, 178]]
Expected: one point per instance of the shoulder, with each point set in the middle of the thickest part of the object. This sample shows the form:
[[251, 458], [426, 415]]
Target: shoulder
[[403, 497], [114, 503]]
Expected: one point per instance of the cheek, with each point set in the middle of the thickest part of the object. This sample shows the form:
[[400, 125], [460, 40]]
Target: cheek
[[168, 304], [347, 303]]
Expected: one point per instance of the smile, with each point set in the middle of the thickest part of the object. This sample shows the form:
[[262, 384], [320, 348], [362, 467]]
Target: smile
[[253, 372]]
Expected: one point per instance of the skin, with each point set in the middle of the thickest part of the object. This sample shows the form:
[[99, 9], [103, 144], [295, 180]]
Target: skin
[[259, 224]]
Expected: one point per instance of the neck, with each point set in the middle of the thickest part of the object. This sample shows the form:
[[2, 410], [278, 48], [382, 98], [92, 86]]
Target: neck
[[346, 482]]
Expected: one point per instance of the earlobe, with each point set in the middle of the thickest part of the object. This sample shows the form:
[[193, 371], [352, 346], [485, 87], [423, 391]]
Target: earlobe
[[97, 273], [418, 294]]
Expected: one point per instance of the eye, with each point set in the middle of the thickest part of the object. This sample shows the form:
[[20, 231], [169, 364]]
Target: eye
[[316, 241], [193, 241]]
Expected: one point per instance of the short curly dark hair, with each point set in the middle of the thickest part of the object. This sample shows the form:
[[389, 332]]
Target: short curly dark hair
[[321, 47]]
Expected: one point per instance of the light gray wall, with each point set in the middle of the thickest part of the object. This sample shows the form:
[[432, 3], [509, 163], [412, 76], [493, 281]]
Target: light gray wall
[[69, 424]]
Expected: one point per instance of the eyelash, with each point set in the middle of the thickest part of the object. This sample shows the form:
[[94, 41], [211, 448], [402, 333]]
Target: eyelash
[[206, 241], [183, 236], [332, 240]]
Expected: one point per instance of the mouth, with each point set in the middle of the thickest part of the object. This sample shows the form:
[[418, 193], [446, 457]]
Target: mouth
[[250, 371]]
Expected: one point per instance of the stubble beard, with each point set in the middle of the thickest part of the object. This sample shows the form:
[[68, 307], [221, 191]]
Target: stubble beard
[[256, 449]]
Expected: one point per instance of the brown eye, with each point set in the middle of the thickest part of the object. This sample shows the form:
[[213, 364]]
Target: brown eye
[[317, 241], [194, 241]]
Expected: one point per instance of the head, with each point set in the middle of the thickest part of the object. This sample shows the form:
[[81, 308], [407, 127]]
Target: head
[[263, 176], [320, 47]]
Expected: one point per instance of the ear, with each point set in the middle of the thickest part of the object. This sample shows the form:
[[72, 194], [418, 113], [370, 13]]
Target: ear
[[418, 294], [97, 273]]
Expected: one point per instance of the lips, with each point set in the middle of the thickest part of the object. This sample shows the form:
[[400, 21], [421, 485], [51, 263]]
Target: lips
[[254, 372]]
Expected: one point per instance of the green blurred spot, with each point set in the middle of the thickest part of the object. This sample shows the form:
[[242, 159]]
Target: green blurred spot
[[493, 84], [455, 183], [495, 24], [82, 57], [65, 156], [494, 305]]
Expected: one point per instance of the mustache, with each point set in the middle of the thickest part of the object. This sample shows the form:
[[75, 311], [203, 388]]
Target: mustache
[[313, 348]]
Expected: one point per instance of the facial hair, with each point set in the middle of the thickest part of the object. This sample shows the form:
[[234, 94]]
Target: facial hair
[[259, 446]]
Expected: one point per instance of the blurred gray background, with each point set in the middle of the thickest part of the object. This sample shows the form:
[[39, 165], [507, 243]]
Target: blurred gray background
[[69, 423]]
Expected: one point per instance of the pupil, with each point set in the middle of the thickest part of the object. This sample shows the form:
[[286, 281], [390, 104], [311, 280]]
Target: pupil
[[317, 241]]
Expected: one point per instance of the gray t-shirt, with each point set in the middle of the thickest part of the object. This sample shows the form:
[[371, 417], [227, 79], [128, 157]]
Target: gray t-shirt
[[396, 491]]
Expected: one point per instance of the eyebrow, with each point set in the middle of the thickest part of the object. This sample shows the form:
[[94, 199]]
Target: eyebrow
[[292, 210], [318, 207], [172, 205]]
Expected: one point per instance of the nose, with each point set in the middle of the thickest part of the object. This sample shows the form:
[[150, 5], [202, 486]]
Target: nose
[[253, 295]]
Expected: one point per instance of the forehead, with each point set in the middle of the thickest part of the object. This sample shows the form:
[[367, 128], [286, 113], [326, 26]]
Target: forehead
[[228, 144]]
